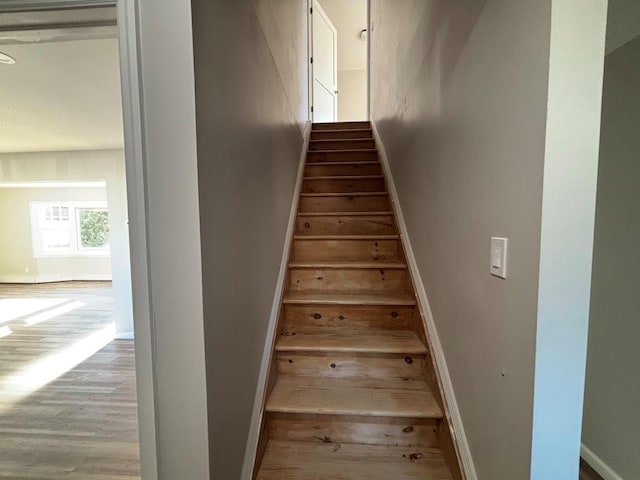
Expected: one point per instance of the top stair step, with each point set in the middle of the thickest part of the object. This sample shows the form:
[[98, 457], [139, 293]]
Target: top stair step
[[341, 125]]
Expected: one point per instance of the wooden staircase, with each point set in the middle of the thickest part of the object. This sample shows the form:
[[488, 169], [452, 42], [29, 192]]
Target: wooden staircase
[[352, 392]]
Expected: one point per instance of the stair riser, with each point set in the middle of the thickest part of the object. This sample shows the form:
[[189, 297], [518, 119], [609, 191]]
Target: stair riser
[[347, 169], [416, 432], [347, 203], [346, 250], [341, 144], [349, 185], [329, 317], [346, 225], [340, 126], [336, 365], [348, 279], [340, 134], [346, 156]]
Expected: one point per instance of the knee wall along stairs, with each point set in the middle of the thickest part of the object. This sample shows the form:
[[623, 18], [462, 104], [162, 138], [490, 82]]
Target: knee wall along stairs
[[352, 392]]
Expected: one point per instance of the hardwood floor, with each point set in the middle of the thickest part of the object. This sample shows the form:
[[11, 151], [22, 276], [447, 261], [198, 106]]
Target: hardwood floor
[[67, 390], [588, 473]]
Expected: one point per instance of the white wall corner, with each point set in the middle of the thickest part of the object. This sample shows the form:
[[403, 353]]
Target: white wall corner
[[451, 405], [256, 416], [595, 462]]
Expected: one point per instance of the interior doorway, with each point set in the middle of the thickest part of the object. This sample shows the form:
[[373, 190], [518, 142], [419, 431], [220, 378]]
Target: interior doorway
[[67, 383], [339, 60]]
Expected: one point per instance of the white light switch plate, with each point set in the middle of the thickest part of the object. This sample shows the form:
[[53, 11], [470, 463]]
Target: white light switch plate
[[498, 265]]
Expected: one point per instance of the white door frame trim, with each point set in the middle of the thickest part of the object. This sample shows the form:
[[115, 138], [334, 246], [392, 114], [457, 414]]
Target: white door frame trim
[[309, 57], [137, 195], [135, 162]]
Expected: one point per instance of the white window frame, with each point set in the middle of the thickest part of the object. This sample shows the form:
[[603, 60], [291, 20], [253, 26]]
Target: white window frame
[[76, 249]]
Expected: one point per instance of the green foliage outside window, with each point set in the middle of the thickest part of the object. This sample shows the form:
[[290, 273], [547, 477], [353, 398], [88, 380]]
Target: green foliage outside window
[[94, 228]]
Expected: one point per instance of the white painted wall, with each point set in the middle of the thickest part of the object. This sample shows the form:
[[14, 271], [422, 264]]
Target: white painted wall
[[16, 246], [612, 396], [174, 356], [352, 100], [78, 166], [460, 93], [251, 92], [578, 30]]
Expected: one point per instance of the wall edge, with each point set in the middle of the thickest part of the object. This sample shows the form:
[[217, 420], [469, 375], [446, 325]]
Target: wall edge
[[451, 405]]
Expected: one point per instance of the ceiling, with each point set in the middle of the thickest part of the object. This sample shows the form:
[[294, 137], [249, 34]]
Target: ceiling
[[46, 25], [349, 17], [61, 95], [623, 23]]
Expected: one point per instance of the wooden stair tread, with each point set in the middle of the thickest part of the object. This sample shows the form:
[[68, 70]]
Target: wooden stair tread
[[346, 237], [322, 297], [341, 164], [344, 214], [343, 150], [381, 265], [345, 177], [288, 460], [363, 341], [346, 194], [347, 124], [340, 130], [346, 140], [374, 397]]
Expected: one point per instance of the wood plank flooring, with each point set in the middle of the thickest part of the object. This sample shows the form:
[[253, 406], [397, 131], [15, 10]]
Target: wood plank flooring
[[588, 473], [67, 391]]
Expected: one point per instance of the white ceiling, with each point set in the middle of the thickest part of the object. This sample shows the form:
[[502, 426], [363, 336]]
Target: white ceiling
[[61, 96], [349, 17], [623, 23]]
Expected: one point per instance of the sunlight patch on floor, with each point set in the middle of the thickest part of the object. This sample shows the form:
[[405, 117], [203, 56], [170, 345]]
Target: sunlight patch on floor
[[45, 370], [5, 331], [54, 312], [12, 308]]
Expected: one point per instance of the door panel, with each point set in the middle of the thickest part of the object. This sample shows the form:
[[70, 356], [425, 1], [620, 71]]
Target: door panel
[[325, 67]]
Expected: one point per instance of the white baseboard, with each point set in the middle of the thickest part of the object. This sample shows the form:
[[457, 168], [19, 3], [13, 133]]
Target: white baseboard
[[82, 277], [124, 336], [49, 278], [453, 413], [18, 278], [256, 417], [595, 462]]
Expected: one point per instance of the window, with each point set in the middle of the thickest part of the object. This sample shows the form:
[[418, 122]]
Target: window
[[70, 228], [92, 228]]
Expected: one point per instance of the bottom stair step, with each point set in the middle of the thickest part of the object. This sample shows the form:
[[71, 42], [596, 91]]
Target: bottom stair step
[[326, 461]]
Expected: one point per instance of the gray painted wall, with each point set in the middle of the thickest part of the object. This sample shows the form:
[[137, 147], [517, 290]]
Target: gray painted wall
[[466, 151], [472, 105], [612, 396], [251, 95]]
